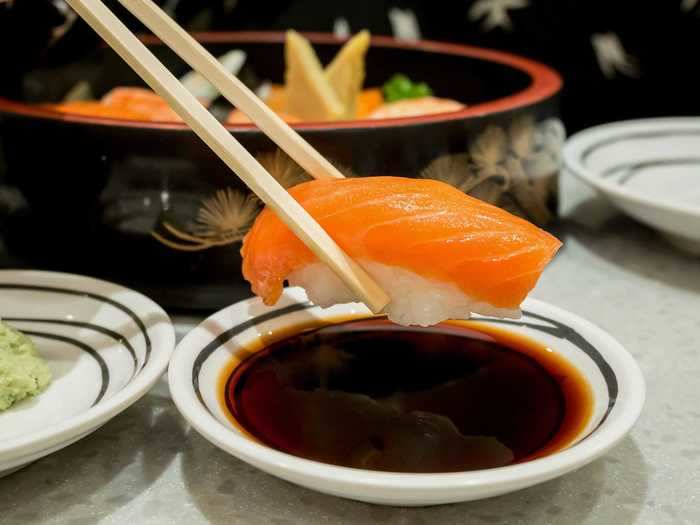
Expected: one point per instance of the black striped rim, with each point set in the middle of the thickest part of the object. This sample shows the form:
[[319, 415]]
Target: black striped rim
[[78, 324], [569, 334], [104, 370], [628, 170], [81, 293], [622, 137], [226, 336], [554, 328]]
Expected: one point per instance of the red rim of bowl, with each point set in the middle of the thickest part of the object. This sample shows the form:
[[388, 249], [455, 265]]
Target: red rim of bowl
[[545, 83]]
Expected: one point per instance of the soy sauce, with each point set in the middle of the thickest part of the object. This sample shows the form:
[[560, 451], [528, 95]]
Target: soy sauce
[[370, 394]]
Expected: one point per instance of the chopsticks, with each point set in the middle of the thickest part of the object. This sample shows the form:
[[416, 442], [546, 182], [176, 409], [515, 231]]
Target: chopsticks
[[226, 147], [235, 91]]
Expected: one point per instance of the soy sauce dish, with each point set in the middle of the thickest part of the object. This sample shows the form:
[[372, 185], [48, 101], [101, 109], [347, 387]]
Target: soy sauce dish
[[346, 403]]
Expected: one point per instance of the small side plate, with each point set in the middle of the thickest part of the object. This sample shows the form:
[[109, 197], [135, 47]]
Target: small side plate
[[649, 169], [197, 364], [105, 345]]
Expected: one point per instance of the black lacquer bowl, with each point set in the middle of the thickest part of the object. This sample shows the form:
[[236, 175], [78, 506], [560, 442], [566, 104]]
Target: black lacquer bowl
[[82, 194]]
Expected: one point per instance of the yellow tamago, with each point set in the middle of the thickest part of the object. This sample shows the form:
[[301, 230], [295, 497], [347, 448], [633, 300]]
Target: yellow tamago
[[346, 73], [314, 94], [308, 94]]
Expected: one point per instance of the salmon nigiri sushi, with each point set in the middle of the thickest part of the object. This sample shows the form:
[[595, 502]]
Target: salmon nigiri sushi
[[438, 253]]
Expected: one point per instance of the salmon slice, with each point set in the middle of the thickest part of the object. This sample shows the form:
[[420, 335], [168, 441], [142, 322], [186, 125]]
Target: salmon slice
[[414, 107], [141, 101], [238, 117], [94, 108], [127, 103], [424, 226], [275, 98], [369, 100]]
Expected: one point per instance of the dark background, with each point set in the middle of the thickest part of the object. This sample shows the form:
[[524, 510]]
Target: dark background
[[656, 37]]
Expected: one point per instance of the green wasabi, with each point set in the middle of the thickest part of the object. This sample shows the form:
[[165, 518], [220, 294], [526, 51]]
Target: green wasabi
[[23, 373]]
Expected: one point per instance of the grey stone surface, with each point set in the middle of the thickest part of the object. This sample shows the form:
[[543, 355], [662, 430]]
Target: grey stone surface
[[148, 467]]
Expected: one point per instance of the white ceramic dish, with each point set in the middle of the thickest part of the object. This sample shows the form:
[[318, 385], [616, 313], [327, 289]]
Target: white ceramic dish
[[205, 352], [105, 345], [650, 169]]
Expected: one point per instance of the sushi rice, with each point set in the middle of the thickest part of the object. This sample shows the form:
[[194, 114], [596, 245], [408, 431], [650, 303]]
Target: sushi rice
[[415, 300]]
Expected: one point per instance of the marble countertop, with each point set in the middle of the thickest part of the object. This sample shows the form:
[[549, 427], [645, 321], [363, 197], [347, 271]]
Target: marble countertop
[[147, 466]]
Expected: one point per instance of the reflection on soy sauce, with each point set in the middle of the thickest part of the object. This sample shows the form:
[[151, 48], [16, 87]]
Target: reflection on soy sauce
[[374, 395]]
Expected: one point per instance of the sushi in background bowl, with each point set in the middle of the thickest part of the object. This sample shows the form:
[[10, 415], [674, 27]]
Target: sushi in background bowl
[[87, 191]]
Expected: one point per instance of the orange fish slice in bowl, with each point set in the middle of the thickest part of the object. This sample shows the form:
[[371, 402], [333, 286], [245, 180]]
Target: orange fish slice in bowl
[[127, 103], [238, 117], [142, 101], [275, 98], [414, 107], [368, 101], [95, 108], [438, 253]]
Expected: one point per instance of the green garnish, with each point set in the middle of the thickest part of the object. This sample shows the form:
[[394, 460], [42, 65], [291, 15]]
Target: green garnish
[[400, 87]]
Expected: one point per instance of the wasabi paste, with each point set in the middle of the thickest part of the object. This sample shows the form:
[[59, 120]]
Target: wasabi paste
[[23, 373]]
